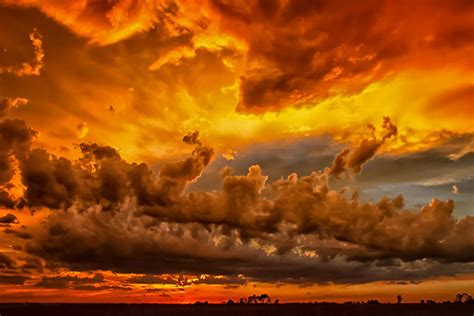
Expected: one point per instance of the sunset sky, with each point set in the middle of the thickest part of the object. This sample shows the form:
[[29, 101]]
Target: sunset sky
[[171, 151]]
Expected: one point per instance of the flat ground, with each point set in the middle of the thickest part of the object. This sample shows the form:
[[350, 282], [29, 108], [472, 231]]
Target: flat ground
[[231, 310]]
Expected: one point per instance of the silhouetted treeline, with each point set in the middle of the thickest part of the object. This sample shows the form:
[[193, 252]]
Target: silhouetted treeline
[[460, 298]]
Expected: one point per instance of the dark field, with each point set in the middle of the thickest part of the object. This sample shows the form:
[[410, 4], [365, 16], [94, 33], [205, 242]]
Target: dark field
[[251, 310]]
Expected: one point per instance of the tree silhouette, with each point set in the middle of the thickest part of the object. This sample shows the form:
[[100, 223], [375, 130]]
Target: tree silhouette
[[252, 299], [464, 298], [399, 299], [256, 299], [264, 298]]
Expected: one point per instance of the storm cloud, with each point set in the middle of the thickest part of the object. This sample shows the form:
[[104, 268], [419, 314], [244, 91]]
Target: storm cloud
[[111, 214]]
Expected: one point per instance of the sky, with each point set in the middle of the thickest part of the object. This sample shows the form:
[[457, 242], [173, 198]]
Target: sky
[[174, 151]]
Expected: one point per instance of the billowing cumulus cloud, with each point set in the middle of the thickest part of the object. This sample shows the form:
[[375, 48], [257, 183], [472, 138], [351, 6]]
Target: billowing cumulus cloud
[[120, 216]]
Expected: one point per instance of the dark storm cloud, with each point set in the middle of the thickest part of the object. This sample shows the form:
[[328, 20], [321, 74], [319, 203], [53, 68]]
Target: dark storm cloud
[[192, 138], [182, 280], [32, 264], [6, 262], [120, 216], [5, 199], [22, 234], [297, 52], [9, 219], [301, 50], [201, 232], [13, 279], [75, 282], [151, 279], [104, 22]]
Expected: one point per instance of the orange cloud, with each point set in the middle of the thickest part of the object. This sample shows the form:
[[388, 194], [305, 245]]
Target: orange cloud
[[117, 210], [7, 103], [362, 153], [103, 22], [303, 51], [33, 68]]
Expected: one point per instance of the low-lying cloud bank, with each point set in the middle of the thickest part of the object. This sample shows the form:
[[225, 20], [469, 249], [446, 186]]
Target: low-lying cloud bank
[[109, 214]]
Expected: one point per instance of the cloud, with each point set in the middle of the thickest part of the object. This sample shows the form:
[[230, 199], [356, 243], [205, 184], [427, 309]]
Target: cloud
[[103, 22], [15, 141], [22, 234], [339, 164], [7, 103], [82, 130], [71, 281], [192, 138], [6, 262], [455, 189], [5, 199], [286, 53], [367, 149], [109, 214], [467, 149], [13, 279], [301, 52], [229, 154], [151, 279], [34, 67], [9, 219], [33, 264]]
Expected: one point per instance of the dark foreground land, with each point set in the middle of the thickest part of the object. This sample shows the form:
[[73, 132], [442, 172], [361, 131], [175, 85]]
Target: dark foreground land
[[226, 310]]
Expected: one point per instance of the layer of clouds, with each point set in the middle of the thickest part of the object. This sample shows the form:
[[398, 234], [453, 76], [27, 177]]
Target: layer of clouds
[[109, 214]]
